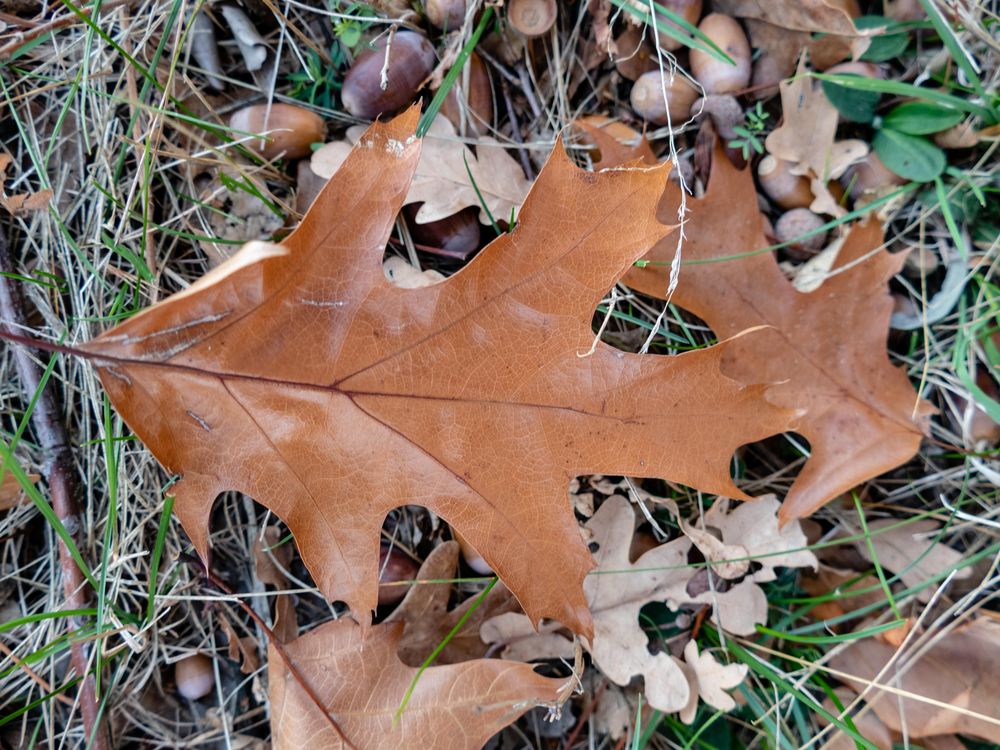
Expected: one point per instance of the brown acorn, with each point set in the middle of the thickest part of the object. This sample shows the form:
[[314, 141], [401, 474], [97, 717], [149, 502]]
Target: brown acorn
[[689, 10], [716, 76], [399, 568], [194, 676], [792, 225], [291, 130], [411, 60], [781, 186], [647, 98], [635, 55], [455, 236], [447, 15], [532, 17]]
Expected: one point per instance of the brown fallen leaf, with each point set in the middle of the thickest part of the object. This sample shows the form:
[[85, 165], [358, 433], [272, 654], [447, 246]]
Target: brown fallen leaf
[[616, 142], [286, 624], [712, 679], [912, 551], [825, 17], [21, 202], [11, 494], [242, 650], [854, 592], [866, 721], [961, 670], [616, 592], [427, 619], [298, 375], [361, 684], [807, 138], [827, 349], [441, 181]]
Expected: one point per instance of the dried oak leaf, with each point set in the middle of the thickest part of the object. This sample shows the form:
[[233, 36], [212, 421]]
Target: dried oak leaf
[[427, 619], [441, 181], [296, 374], [616, 142], [807, 138], [826, 349], [616, 591], [961, 670], [361, 683], [21, 202], [829, 18], [913, 551]]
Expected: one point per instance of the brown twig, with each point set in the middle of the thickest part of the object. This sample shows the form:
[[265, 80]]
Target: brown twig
[[280, 648], [50, 432]]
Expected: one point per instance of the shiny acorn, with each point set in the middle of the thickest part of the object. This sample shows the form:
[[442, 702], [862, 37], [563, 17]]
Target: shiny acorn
[[291, 130], [411, 60]]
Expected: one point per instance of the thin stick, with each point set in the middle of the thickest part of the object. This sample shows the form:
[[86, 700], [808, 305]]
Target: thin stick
[[46, 420]]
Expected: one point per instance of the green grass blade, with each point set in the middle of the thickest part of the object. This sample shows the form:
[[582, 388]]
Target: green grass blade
[[449, 80]]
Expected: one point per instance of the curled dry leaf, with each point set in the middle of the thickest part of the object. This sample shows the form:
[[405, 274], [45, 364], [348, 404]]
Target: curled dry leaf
[[441, 181], [961, 669], [298, 375], [829, 18], [913, 551], [713, 679], [427, 619], [866, 721], [826, 348], [616, 142], [807, 139], [616, 592], [400, 273], [21, 202], [361, 683], [271, 559]]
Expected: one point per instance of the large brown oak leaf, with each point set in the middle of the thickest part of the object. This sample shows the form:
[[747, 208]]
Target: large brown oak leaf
[[298, 375], [361, 683], [859, 413]]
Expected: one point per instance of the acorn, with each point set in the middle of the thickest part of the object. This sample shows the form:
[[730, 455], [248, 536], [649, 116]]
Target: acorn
[[787, 190], [689, 10], [634, 56], [411, 60], [870, 178], [455, 236], [446, 14], [399, 568], [474, 101], [532, 17], [291, 130], [716, 76], [647, 97], [194, 676], [791, 225]]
